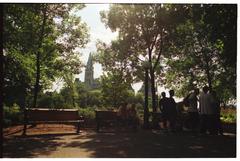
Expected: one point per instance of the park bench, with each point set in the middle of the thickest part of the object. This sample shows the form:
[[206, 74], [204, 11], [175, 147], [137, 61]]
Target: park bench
[[106, 117], [42, 115]]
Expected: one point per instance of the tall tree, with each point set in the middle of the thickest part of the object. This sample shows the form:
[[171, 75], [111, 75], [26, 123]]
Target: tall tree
[[145, 28], [1, 80], [44, 47], [221, 20], [38, 52], [114, 89], [199, 55]]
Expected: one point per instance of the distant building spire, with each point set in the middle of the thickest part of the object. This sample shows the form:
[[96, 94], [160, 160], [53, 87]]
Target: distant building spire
[[88, 80]]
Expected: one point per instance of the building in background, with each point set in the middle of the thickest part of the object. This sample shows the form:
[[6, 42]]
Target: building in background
[[89, 81]]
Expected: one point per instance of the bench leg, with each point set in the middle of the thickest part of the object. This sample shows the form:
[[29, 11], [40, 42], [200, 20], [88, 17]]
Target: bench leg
[[78, 127], [24, 129], [25, 121], [98, 126]]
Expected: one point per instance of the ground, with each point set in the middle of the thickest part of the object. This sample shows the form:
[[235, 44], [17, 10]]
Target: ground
[[47, 141]]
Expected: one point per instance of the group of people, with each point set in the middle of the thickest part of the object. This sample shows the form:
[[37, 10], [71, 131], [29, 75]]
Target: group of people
[[209, 109], [169, 111], [203, 112], [127, 115]]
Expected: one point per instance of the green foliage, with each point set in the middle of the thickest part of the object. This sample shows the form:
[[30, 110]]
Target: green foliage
[[94, 98], [88, 113], [114, 89], [52, 100], [196, 58], [80, 97], [229, 115], [12, 115], [144, 32], [28, 40]]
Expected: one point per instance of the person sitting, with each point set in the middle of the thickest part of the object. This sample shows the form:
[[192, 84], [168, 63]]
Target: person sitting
[[133, 119], [123, 114]]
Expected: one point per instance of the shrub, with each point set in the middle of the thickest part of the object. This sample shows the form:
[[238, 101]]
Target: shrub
[[88, 112], [12, 115], [229, 115]]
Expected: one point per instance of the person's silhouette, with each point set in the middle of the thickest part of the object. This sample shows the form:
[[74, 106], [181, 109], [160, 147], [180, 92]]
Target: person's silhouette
[[163, 105], [172, 110]]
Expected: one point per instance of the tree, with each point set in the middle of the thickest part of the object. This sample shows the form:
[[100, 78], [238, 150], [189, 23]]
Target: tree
[[44, 47], [196, 58], [223, 31], [145, 30], [19, 64], [114, 89], [1, 80]]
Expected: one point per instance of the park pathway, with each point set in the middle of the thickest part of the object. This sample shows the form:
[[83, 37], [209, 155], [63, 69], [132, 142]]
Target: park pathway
[[119, 144]]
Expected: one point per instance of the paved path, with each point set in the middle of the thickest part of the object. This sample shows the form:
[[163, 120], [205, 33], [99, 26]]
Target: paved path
[[119, 144]]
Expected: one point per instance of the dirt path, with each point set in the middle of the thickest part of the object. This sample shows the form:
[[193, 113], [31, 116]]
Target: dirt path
[[43, 141]]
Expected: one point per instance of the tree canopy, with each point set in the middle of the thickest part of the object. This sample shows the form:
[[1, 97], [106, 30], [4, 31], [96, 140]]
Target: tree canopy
[[184, 45], [40, 42]]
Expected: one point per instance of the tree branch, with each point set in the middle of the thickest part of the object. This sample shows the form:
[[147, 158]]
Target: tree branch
[[160, 51]]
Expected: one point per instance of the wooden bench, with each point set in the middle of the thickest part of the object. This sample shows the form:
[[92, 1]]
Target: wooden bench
[[42, 115], [104, 117]]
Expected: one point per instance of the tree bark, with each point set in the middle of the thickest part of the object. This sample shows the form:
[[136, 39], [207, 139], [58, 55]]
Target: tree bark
[[207, 71], [36, 87], [1, 80], [146, 111], [209, 78], [152, 79]]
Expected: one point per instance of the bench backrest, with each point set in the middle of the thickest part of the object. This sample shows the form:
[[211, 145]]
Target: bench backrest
[[52, 115], [106, 115]]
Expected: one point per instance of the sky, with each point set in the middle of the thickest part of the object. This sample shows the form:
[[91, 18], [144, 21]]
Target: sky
[[90, 15], [97, 30]]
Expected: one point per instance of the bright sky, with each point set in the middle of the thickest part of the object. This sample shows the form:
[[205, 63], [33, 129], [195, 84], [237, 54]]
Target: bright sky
[[90, 15]]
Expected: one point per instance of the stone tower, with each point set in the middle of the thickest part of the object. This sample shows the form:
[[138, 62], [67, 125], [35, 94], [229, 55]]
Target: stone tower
[[88, 80]]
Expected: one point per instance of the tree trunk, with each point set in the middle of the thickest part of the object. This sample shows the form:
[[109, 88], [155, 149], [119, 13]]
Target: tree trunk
[[36, 87], [154, 103], [152, 79], [146, 111], [209, 78], [73, 101], [207, 71], [1, 79]]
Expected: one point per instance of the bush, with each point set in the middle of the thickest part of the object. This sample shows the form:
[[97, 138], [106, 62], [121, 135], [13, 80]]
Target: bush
[[229, 115], [140, 110], [12, 115], [87, 113]]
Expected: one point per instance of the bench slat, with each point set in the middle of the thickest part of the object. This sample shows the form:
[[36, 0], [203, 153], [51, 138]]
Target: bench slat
[[37, 115], [51, 115]]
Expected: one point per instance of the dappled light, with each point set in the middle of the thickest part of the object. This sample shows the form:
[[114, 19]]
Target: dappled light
[[149, 144], [119, 80]]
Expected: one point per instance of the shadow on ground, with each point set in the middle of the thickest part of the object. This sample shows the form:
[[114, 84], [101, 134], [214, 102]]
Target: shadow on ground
[[31, 146], [155, 144], [120, 144]]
